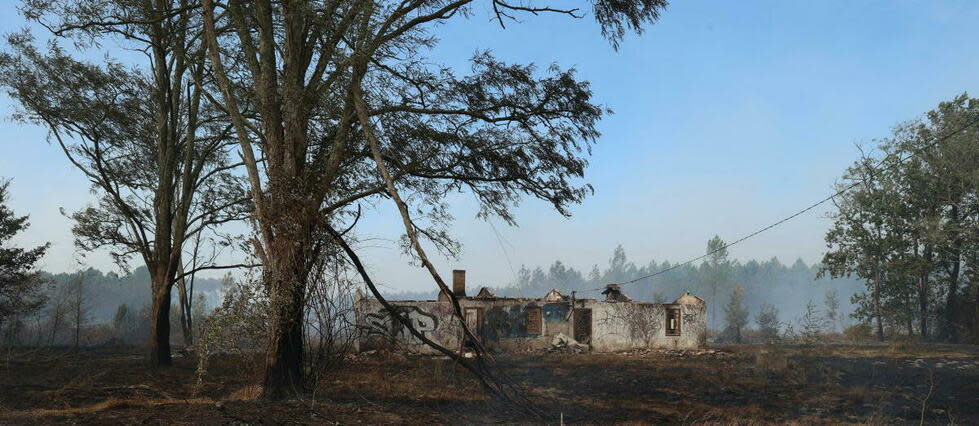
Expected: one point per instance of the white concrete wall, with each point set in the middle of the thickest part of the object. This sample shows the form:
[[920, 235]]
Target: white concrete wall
[[626, 326]]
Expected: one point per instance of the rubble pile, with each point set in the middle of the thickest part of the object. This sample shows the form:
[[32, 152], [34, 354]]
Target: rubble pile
[[944, 363], [682, 353], [564, 344]]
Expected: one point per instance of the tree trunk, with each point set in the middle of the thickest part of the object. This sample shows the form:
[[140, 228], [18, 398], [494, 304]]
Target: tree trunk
[[951, 331], [78, 332], [186, 327], [159, 345], [923, 307], [284, 355], [714, 320], [910, 318], [877, 313], [284, 360], [285, 277], [923, 293], [975, 318], [57, 317], [78, 304]]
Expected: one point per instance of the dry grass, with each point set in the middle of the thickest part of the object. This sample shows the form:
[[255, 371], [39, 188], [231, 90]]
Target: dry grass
[[247, 393], [772, 360], [100, 407]]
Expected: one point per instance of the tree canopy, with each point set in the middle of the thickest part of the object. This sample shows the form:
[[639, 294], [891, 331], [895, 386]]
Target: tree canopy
[[910, 225]]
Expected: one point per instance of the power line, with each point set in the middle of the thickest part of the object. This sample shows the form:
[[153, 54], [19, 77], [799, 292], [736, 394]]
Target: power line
[[803, 211]]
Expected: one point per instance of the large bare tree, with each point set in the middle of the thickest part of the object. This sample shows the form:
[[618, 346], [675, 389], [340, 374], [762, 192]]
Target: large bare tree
[[305, 67], [153, 150]]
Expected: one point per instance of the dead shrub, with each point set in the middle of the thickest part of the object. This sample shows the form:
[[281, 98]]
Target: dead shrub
[[330, 328], [238, 327], [247, 393]]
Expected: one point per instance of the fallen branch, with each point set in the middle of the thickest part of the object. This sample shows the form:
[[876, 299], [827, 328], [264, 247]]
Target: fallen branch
[[931, 389], [410, 229]]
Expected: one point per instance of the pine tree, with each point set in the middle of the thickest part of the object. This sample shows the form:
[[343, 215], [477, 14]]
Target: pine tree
[[767, 320], [717, 268], [736, 315], [832, 309], [20, 283], [812, 325]]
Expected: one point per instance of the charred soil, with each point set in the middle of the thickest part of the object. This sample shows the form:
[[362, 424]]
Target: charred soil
[[737, 384]]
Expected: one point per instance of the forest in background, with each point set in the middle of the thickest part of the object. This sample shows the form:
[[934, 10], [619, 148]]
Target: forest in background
[[90, 307], [789, 288], [106, 291]]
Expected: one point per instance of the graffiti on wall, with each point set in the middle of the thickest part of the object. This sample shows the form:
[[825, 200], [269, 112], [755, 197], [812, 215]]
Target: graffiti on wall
[[380, 323], [512, 321], [557, 312]]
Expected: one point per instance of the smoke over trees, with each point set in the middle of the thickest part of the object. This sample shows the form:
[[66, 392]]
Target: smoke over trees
[[786, 287]]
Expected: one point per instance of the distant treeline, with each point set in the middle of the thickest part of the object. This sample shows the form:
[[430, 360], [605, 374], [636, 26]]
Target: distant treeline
[[787, 287], [105, 292], [89, 307]]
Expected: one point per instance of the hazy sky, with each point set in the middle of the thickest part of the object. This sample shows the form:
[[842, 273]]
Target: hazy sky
[[728, 116]]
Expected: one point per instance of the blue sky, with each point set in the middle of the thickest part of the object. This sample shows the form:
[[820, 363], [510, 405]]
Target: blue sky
[[728, 116]]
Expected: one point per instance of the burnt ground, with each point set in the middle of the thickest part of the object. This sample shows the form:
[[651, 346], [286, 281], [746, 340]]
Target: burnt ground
[[740, 384]]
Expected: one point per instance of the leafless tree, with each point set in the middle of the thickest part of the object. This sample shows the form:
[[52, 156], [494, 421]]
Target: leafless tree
[[57, 312], [185, 289], [78, 305]]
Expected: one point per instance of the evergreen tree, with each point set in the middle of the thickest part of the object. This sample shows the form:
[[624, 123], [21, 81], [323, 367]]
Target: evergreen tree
[[717, 268], [767, 320], [735, 315], [124, 321], [20, 283], [811, 325], [832, 309]]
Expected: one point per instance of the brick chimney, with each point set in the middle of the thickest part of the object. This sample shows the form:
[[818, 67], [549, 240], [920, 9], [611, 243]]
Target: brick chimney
[[459, 282]]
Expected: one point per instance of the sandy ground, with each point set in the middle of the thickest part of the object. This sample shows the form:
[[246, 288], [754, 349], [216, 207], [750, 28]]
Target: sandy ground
[[858, 384]]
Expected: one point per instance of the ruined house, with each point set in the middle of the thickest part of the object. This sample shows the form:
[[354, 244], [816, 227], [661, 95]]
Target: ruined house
[[616, 323]]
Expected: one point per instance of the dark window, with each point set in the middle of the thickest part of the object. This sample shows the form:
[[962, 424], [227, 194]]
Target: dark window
[[474, 319], [534, 321], [582, 325], [672, 321]]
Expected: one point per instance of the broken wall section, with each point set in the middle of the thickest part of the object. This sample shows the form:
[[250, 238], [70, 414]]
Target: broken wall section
[[519, 324], [627, 326]]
